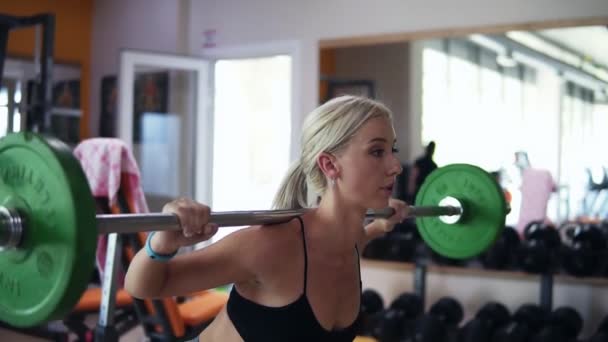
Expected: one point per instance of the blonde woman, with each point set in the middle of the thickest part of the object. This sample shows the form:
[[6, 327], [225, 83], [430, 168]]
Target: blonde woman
[[300, 280]]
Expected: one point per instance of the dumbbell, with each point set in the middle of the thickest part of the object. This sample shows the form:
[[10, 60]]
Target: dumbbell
[[526, 321], [601, 335], [371, 304], [603, 226], [583, 248], [439, 323], [564, 325], [501, 255], [391, 324], [488, 319], [539, 252]]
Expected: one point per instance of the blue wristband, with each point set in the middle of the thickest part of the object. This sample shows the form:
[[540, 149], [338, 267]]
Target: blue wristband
[[155, 256]]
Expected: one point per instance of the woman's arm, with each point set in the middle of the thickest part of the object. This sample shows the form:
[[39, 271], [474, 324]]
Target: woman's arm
[[373, 230], [226, 261]]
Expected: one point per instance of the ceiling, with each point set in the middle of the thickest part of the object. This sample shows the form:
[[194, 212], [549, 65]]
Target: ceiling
[[591, 41]]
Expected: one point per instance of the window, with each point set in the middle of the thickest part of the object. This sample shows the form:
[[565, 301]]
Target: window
[[252, 130], [481, 113], [10, 100], [471, 104], [582, 141]]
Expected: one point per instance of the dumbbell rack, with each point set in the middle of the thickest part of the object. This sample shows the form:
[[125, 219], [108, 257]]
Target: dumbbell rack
[[421, 268], [546, 285]]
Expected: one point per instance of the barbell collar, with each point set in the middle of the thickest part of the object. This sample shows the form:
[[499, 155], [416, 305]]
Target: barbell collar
[[11, 228]]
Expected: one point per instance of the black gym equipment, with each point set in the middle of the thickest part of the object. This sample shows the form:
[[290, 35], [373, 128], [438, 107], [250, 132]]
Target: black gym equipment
[[539, 252], [38, 114], [488, 319], [526, 321], [501, 255], [392, 324], [584, 249], [439, 324], [564, 325], [371, 304]]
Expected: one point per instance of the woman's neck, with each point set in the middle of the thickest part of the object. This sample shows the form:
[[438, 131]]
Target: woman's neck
[[336, 226]]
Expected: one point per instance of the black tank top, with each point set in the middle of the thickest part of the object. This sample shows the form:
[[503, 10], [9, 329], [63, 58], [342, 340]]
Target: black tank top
[[290, 323]]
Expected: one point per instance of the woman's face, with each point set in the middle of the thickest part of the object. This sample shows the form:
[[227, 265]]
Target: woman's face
[[368, 166]]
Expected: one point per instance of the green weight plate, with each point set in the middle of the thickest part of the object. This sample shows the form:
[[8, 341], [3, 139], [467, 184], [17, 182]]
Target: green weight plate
[[484, 211], [43, 279]]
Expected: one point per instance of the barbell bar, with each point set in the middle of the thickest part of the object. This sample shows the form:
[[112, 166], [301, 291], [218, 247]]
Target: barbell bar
[[13, 227], [49, 226]]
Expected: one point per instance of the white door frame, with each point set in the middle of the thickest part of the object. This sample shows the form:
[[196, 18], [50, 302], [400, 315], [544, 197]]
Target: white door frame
[[202, 150]]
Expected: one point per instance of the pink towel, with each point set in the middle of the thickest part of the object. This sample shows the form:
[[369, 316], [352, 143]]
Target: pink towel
[[105, 161], [536, 188]]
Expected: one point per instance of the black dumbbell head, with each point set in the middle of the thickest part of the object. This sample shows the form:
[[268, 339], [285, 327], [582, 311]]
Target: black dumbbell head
[[580, 262], [487, 320], [551, 237], [494, 312], [532, 315], [533, 230], [429, 329], [389, 326], [371, 302], [591, 237], [409, 303], [568, 320], [499, 256], [511, 236], [447, 310], [584, 251]]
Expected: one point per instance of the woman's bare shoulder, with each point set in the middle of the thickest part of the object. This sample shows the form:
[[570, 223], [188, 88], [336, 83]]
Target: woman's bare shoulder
[[270, 246]]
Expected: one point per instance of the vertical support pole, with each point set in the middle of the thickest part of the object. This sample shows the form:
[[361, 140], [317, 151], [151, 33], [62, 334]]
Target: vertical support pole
[[45, 96], [546, 291], [420, 281], [106, 330], [4, 29]]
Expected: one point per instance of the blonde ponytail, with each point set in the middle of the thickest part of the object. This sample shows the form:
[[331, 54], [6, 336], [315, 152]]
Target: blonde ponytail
[[293, 190]]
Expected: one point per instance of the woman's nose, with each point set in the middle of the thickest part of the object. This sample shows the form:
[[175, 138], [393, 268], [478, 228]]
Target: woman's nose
[[395, 167]]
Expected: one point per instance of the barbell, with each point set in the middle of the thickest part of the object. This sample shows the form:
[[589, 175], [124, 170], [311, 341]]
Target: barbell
[[49, 226]]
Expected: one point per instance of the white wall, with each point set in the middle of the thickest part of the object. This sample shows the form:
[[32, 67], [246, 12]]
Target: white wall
[[239, 22], [388, 66], [151, 25]]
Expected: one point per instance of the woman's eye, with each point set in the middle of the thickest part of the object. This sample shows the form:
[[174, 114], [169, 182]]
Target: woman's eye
[[378, 153]]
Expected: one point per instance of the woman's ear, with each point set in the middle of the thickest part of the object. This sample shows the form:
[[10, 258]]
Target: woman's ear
[[327, 164]]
